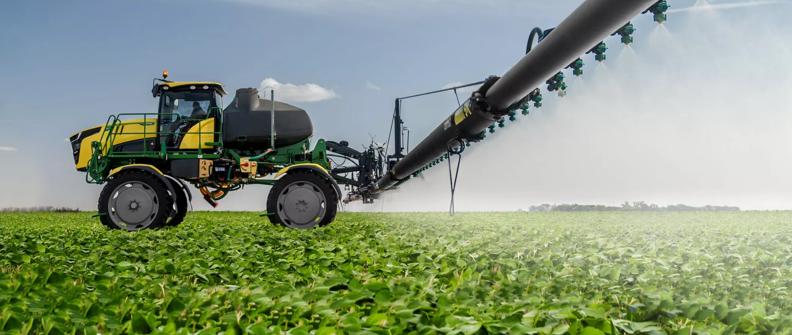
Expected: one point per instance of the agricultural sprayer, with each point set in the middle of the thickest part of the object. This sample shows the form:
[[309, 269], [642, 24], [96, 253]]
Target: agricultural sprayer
[[146, 160]]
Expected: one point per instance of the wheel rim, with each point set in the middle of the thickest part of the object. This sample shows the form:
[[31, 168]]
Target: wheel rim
[[133, 205], [301, 205]]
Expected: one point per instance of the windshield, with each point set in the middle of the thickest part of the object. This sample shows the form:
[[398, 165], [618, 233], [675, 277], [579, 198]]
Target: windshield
[[175, 106]]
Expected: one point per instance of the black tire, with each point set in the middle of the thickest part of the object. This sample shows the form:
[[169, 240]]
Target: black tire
[[308, 182], [150, 195], [181, 205]]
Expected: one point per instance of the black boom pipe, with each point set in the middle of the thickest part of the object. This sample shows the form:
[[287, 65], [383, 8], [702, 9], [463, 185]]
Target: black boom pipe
[[590, 23]]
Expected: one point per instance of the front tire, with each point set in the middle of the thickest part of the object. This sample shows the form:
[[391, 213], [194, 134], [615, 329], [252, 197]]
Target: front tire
[[302, 200], [135, 200]]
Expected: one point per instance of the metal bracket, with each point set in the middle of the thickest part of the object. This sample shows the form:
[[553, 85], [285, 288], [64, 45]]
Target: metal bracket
[[453, 173]]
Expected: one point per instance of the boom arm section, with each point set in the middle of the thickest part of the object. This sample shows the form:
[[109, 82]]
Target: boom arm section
[[589, 24]]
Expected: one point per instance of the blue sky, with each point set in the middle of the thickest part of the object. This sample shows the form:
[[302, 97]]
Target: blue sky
[[65, 66]]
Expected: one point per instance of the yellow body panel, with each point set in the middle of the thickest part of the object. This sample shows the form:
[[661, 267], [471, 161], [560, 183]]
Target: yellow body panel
[[133, 130], [116, 170], [286, 169], [199, 136], [126, 131], [85, 151]]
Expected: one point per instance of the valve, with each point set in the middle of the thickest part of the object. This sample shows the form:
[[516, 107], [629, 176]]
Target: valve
[[492, 128], [659, 10], [599, 51], [556, 83], [577, 67], [501, 123], [512, 116], [626, 33]]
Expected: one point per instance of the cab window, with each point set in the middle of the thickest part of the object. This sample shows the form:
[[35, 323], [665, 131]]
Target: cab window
[[180, 110], [185, 105]]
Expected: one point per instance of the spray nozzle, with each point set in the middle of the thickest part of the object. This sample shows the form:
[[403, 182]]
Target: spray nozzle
[[599, 51], [626, 33], [525, 105], [536, 97], [556, 83], [577, 67], [659, 10]]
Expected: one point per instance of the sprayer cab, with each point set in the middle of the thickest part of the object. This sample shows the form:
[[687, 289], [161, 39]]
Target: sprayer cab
[[183, 105]]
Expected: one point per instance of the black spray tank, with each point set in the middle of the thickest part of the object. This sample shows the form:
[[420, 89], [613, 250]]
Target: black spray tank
[[246, 122]]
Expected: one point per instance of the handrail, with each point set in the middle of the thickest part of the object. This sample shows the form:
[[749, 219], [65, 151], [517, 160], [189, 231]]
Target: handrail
[[115, 127], [103, 148]]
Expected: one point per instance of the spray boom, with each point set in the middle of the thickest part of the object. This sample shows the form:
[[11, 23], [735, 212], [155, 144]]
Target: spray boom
[[548, 53]]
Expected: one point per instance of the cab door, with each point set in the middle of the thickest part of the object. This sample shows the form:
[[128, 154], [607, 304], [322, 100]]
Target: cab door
[[184, 120]]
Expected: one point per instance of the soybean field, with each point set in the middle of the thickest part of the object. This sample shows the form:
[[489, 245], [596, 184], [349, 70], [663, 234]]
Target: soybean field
[[475, 273]]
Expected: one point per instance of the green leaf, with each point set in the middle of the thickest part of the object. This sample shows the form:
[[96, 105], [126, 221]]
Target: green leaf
[[734, 315], [378, 319], [591, 331], [328, 331]]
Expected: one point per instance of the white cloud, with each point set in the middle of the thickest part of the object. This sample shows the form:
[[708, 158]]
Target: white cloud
[[706, 6], [372, 86], [8, 149], [296, 93]]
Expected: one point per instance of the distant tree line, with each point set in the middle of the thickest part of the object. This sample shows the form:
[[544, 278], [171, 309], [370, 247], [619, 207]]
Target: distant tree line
[[40, 209], [637, 206]]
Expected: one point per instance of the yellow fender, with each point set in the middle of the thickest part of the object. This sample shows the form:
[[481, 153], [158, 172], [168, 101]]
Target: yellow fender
[[157, 172], [308, 166], [147, 167], [313, 167]]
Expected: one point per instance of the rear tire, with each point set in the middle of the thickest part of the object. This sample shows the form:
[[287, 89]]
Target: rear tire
[[135, 200], [302, 200], [181, 205]]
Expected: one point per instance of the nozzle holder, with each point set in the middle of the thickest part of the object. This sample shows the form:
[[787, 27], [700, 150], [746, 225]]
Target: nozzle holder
[[599, 51], [626, 33]]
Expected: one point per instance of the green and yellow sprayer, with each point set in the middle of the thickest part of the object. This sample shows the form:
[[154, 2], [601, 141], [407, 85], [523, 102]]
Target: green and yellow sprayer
[[146, 160]]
